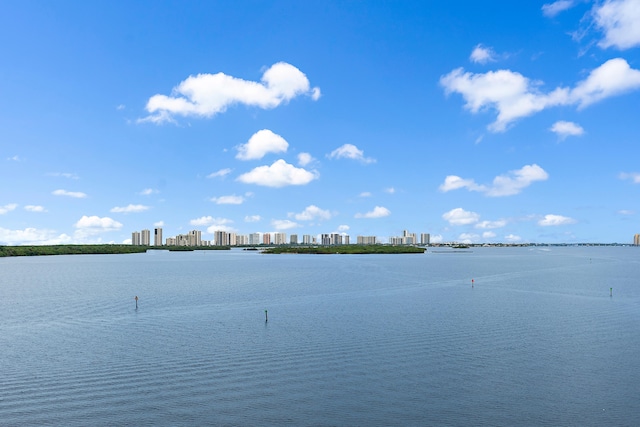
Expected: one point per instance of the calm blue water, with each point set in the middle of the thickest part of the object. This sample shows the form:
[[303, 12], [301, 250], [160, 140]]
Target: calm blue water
[[351, 339]]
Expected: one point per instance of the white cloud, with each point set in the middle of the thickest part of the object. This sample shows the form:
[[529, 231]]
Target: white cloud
[[459, 216], [618, 19], [304, 159], [488, 235], [64, 175], [148, 192], [633, 176], [377, 212], [514, 96], [503, 185], [612, 78], [279, 174], [14, 158], [626, 212], [468, 237], [564, 129], [390, 190], [74, 194], [512, 238], [252, 218], [228, 200], [312, 212], [343, 228], [551, 220], [552, 9], [209, 220], [482, 55], [220, 173], [436, 238], [350, 151], [365, 194], [158, 224], [491, 224], [262, 142], [223, 226], [205, 95], [283, 224], [7, 208], [95, 224], [32, 236], [129, 209], [33, 208], [120, 107]]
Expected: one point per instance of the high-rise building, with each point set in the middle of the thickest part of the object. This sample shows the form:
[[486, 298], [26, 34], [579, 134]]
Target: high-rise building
[[325, 239], [636, 240], [157, 237], [266, 239], [135, 238], [195, 238], [145, 239], [254, 238], [221, 238], [425, 238], [171, 241], [345, 239], [279, 238], [306, 239], [367, 240], [293, 239]]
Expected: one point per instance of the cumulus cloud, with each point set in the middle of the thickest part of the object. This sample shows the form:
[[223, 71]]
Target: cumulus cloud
[[551, 220], [7, 208], [95, 224], [252, 218], [343, 228], [564, 129], [459, 216], [377, 212], [514, 96], [158, 224], [205, 95], [148, 192], [390, 190], [491, 224], [512, 238], [74, 194], [626, 212], [488, 235], [312, 212], [350, 151], [228, 200], [482, 55], [552, 9], [222, 226], [32, 236], [220, 173], [618, 19], [262, 142], [468, 237], [503, 185], [209, 220], [33, 208], [130, 209], [304, 159], [283, 224], [64, 175], [14, 158], [633, 177], [364, 194], [279, 174]]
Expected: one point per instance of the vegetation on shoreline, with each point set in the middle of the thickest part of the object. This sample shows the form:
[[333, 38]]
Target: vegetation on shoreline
[[345, 249], [8, 251]]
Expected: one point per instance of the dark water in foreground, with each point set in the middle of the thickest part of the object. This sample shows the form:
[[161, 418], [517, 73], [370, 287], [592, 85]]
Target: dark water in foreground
[[351, 339]]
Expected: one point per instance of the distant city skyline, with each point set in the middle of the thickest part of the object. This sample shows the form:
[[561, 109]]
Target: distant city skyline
[[499, 121]]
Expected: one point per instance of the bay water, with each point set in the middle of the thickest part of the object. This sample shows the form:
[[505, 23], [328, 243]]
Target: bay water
[[486, 336]]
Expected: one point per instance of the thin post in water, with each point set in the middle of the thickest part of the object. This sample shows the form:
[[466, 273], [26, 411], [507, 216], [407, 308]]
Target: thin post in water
[[136, 298], [610, 292], [266, 317]]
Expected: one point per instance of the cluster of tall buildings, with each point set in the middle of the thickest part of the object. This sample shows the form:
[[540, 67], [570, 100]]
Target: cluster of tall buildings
[[224, 238]]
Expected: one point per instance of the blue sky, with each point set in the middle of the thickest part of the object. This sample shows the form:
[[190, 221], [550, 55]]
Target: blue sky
[[494, 121]]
